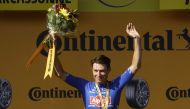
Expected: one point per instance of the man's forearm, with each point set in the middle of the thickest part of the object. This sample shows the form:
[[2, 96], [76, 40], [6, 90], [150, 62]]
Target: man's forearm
[[136, 60], [60, 72]]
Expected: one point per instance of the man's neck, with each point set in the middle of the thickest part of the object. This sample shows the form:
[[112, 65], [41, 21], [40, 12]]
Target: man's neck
[[101, 83]]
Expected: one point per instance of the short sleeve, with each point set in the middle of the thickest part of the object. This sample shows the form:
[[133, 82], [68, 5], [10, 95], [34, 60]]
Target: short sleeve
[[122, 80], [76, 82]]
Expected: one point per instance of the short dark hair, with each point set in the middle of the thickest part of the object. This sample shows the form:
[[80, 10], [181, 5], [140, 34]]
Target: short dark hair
[[101, 59]]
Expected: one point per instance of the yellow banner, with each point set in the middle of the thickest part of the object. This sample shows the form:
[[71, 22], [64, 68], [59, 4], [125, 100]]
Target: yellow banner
[[165, 59], [34, 4], [174, 4], [97, 5]]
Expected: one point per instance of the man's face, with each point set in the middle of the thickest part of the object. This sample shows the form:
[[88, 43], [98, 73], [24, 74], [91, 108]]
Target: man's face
[[100, 72]]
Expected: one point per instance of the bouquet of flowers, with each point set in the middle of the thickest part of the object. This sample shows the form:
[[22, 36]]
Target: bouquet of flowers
[[60, 19]]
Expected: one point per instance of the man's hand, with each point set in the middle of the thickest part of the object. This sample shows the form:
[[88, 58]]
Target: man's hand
[[131, 31], [59, 71]]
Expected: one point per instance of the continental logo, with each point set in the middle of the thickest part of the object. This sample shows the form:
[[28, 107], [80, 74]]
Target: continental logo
[[117, 3], [37, 93], [175, 93], [91, 41]]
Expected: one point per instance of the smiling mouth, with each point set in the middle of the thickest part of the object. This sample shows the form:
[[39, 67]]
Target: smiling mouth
[[99, 79]]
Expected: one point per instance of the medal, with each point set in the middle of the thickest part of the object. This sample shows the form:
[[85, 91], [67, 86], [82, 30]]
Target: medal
[[105, 102]]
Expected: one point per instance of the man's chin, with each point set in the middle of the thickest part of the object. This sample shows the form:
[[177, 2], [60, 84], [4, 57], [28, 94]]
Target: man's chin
[[100, 82]]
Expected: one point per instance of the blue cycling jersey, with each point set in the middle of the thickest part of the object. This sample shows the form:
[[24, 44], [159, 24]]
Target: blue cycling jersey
[[90, 95]]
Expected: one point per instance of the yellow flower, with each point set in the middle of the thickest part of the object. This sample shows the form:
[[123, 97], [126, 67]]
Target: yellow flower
[[50, 9], [64, 12]]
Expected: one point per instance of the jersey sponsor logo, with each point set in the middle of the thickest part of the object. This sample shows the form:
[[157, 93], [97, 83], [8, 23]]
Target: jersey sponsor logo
[[95, 100]]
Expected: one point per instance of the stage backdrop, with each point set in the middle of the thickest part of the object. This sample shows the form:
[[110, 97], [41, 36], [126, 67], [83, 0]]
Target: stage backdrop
[[165, 57]]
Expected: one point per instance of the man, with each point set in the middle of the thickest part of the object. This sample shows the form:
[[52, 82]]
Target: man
[[104, 94]]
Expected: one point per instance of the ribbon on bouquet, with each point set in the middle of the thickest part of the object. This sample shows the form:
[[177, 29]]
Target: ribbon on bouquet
[[49, 39], [50, 61]]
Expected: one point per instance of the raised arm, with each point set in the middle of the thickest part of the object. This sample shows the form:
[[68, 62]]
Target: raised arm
[[136, 60], [60, 72]]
